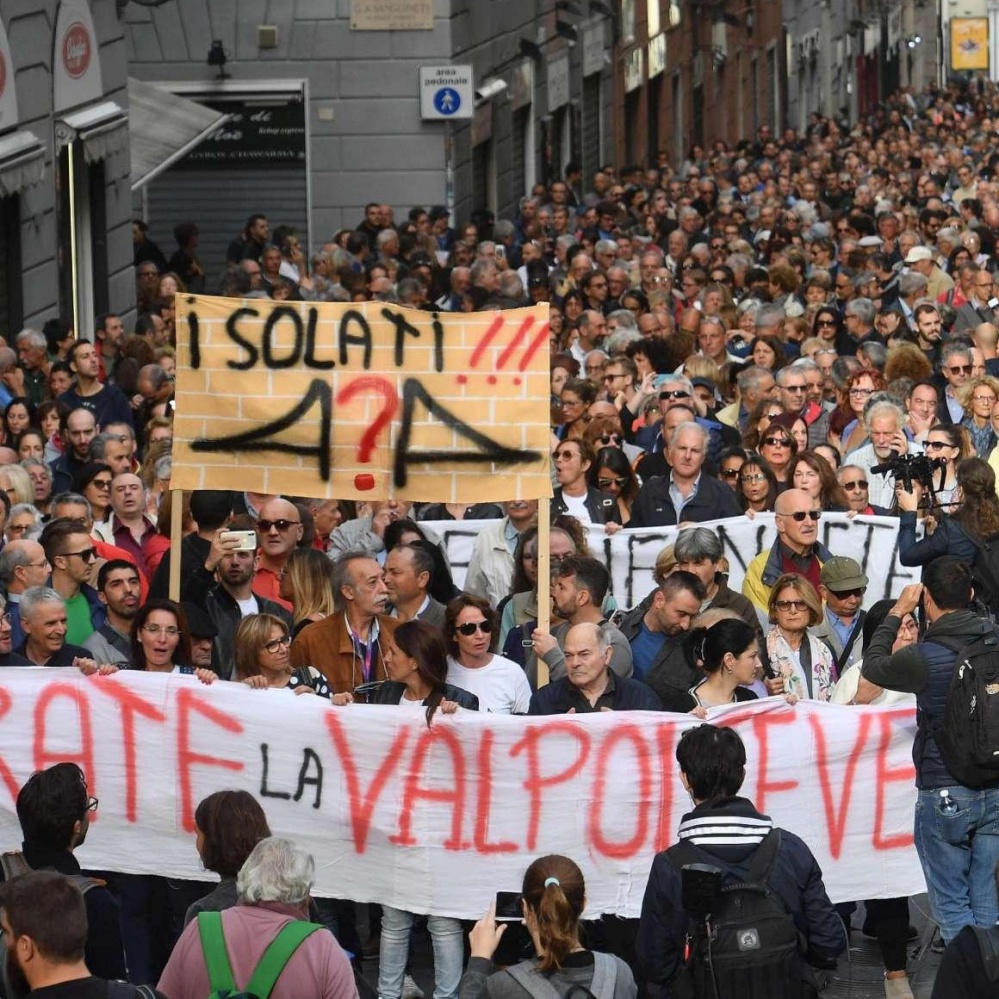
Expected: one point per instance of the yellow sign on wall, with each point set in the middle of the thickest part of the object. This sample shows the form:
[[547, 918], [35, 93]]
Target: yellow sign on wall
[[969, 43], [361, 401]]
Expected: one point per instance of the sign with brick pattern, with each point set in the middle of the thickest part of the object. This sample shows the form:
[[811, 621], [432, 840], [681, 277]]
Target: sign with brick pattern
[[361, 401]]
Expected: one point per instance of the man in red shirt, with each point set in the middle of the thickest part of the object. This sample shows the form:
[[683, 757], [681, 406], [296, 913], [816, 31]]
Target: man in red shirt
[[279, 528]]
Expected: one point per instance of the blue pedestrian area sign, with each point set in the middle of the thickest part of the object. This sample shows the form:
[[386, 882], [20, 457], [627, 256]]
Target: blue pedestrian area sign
[[446, 92]]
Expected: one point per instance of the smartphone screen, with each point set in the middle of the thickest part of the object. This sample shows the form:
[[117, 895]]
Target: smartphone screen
[[508, 909]]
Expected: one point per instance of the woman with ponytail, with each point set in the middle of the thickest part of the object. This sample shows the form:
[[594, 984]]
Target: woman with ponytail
[[416, 663], [728, 653], [554, 896]]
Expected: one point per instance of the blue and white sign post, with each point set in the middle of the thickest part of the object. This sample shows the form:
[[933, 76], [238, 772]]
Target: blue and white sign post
[[447, 93]]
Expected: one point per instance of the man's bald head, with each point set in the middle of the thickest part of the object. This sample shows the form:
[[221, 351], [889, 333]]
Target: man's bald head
[[791, 500]]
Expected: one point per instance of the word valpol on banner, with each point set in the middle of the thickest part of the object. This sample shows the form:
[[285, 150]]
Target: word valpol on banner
[[398, 812]]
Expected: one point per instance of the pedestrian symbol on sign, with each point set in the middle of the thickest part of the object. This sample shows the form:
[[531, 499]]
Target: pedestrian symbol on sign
[[447, 101]]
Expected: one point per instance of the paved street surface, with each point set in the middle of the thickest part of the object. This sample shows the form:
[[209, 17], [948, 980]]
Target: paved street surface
[[860, 977]]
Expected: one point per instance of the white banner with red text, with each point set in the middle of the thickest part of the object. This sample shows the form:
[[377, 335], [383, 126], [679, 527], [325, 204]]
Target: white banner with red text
[[437, 819], [630, 555]]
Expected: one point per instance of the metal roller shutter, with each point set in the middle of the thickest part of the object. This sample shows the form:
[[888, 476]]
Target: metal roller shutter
[[518, 168], [591, 126], [219, 202]]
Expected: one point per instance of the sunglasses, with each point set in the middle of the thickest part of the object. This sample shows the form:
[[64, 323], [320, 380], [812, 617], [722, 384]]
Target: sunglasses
[[826, 322], [957, 369], [786, 605], [800, 515], [471, 627], [87, 554], [857, 591], [777, 441], [281, 525], [607, 483], [936, 445], [732, 473], [610, 439], [857, 484], [674, 394]]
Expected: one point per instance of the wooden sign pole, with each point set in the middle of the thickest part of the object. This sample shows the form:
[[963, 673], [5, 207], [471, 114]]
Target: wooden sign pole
[[176, 532], [544, 580]]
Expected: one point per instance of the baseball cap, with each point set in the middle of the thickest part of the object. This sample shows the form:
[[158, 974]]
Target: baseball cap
[[842, 573], [918, 253], [867, 241]]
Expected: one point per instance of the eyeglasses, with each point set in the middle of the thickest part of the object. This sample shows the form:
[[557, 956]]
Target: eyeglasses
[[800, 515], [570, 402], [612, 376], [471, 627], [861, 393], [157, 629], [753, 477], [278, 643], [990, 399], [858, 591], [786, 605], [281, 525], [730, 473], [795, 388], [674, 394], [92, 804], [88, 554], [608, 483], [777, 441], [956, 369], [856, 484], [936, 445], [5, 618]]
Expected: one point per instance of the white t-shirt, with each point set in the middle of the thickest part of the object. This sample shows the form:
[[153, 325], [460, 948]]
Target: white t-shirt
[[248, 606], [501, 685], [412, 707], [576, 506]]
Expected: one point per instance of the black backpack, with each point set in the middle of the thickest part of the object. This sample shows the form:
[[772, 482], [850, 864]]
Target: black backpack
[[988, 947], [985, 576], [750, 948], [968, 733]]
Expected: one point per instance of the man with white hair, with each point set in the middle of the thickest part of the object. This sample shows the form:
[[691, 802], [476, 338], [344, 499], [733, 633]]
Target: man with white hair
[[685, 494], [273, 889], [884, 421]]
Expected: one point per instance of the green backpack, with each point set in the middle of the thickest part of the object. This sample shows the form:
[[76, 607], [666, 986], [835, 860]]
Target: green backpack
[[265, 974]]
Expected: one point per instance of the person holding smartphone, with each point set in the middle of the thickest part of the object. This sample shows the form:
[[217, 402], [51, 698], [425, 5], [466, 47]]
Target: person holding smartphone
[[552, 902]]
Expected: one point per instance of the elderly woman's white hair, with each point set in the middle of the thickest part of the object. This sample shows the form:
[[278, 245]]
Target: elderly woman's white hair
[[276, 871]]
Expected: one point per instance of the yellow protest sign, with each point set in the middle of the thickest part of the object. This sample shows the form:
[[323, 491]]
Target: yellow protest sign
[[364, 401]]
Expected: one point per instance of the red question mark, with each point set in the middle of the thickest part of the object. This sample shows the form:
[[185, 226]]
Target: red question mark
[[370, 383]]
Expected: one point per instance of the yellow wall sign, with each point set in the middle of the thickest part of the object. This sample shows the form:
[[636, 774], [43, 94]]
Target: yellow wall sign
[[363, 401], [969, 43]]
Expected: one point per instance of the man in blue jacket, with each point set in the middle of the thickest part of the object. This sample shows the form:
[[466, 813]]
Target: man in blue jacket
[[589, 683], [728, 829]]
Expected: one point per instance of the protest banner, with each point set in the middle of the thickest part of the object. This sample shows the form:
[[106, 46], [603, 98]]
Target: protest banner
[[436, 819], [361, 401], [630, 555]]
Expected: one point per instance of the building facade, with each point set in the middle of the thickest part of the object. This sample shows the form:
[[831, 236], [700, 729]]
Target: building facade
[[65, 209], [325, 92]]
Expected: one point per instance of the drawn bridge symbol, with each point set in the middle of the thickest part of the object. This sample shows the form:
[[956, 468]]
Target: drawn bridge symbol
[[511, 348]]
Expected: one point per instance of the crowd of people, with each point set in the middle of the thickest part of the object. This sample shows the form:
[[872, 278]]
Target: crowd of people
[[791, 325]]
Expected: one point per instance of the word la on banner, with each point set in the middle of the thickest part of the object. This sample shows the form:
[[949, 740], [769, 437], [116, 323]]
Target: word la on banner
[[436, 819], [367, 400]]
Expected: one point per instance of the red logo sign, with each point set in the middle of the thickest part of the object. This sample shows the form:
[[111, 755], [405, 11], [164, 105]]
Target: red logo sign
[[76, 49]]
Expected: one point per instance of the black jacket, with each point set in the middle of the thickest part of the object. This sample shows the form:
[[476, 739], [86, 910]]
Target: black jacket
[[225, 614], [193, 552], [654, 508], [796, 878], [391, 692], [104, 952], [601, 506], [673, 672], [629, 695]]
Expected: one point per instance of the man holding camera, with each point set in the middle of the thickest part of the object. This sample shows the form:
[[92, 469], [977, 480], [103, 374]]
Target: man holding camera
[[725, 837], [885, 421]]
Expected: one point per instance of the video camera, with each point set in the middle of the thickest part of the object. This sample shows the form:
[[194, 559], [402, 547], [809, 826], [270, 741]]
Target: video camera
[[909, 468]]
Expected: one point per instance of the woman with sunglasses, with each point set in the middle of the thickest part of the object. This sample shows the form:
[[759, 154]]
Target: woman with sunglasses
[[93, 482], [827, 325], [949, 444], [261, 659], [499, 683], [777, 448], [161, 642], [759, 421], [796, 662], [730, 463], [757, 487], [611, 473], [589, 505]]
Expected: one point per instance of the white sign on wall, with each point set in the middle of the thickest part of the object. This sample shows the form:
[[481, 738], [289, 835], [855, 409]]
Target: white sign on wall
[[76, 59], [558, 81], [446, 92]]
